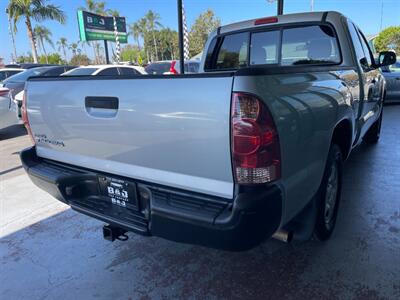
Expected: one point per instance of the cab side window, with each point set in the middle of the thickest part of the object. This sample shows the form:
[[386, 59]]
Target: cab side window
[[233, 52], [367, 51], [356, 41], [363, 57]]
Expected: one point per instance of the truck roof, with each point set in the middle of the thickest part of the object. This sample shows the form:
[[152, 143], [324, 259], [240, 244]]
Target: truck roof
[[281, 19]]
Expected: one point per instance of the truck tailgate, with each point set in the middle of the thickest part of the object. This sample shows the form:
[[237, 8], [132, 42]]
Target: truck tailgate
[[173, 131]]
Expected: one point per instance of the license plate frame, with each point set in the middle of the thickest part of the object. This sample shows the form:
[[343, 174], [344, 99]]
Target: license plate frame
[[120, 192]]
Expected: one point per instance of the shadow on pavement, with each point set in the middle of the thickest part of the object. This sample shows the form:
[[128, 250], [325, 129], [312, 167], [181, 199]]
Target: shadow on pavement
[[12, 132]]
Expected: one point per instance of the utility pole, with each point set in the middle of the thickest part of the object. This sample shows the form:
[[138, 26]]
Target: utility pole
[[180, 36], [280, 7], [12, 36], [381, 15], [312, 5], [106, 51]]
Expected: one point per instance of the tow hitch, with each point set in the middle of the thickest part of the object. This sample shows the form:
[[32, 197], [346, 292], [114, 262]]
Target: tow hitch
[[112, 233]]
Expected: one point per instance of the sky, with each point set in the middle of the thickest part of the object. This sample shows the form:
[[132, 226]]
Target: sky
[[365, 13]]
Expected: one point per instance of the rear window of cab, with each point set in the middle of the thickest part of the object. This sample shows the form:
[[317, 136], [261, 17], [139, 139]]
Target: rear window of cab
[[294, 46]]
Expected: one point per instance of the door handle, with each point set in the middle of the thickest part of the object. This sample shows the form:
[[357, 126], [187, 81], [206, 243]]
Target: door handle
[[102, 102], [102, 107]]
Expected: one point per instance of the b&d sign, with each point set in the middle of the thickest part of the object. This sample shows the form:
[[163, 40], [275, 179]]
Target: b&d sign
[[94, 27]]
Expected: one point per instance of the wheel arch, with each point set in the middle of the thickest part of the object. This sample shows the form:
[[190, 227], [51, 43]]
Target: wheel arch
[[342, 135]]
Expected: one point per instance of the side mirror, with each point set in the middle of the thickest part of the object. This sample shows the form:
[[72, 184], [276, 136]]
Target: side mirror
[[386, 58]]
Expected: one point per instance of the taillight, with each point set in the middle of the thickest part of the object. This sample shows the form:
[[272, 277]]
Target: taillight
[[172, 69], [267, 20], [255, 143], [25, 119], [4, 92]]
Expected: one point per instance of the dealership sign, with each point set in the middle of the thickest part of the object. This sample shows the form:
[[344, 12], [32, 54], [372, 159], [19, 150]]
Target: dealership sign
[[94, 27]]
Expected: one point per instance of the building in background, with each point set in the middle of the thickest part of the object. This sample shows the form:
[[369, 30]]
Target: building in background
[[1, 62]]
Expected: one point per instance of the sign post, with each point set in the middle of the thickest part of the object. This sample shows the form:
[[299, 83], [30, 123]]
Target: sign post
[[180, 34], [93, 27], [106, 51]]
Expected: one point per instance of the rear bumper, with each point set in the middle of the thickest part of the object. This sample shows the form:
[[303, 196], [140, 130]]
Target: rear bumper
[[181, 216]]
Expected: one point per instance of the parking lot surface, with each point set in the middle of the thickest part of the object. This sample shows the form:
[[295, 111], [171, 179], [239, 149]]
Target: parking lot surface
[[48, 251]]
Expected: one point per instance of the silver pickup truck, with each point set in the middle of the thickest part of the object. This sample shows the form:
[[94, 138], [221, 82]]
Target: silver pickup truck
[[251, 147]]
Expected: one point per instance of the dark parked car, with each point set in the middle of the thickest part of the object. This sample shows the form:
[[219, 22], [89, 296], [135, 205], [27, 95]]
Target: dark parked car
[[392, 76], [28, 65], [16, 83]]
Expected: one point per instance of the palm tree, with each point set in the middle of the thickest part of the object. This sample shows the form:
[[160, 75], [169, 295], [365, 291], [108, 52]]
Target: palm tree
[[98, 49], [153, 23], [136, 31], [62, 44], [74, 48], [112, 12], [95, 7], [43, 34], [143, 29], [83, 44], [37, 10]]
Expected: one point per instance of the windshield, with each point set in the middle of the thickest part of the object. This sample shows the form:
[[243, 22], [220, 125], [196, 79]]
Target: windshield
[[23, 76], [81, 71]]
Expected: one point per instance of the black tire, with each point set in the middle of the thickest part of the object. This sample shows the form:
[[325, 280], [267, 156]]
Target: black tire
[[373, 134], [326, 217]]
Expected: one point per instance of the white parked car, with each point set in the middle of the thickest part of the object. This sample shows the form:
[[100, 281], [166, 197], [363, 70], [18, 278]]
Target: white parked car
[[8, 113], [106, 70]]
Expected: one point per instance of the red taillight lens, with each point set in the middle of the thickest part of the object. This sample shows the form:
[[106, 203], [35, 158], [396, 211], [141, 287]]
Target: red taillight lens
[[4, 92], [172, 69], [255, 143], [25, 119], [267, 20]]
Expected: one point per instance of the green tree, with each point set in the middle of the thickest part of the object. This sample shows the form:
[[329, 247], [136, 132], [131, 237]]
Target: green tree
[[136, 31], [202, 27], [83, 44], [152, 23], [28, 58], [37, 10], [53, 58], [62, 44], [95, 7], [167, 43], [387, 37], [74, 48], [42, 35], [79, 60], [131, 53], [112, 12], [143, 29]]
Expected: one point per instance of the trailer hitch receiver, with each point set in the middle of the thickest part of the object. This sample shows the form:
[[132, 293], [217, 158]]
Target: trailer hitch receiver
[[112, 233]]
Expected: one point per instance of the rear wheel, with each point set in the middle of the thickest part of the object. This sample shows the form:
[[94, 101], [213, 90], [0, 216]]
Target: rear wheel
[[328, 196], [373, 134]]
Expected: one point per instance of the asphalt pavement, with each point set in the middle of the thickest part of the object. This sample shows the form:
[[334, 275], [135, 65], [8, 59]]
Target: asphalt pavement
[[48, 251]]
